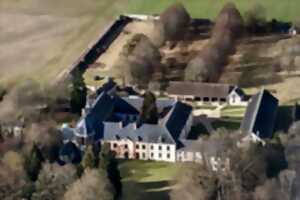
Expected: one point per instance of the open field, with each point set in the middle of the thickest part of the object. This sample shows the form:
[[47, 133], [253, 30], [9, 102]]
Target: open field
[[283, 10], [39, 39], [143, 180]]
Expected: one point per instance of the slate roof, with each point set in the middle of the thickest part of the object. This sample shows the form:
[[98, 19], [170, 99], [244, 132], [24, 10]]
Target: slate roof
[[137, 102], [97, 122], [199, 89], [211, 148], [168, 129], [260, 115], [176, 119], [67, 134], [106, 87], [149, 133], [124, 105], [92, 122]]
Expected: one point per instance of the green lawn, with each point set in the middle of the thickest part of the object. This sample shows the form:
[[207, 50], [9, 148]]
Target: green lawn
[[281, 9], [233, 112], [147, 179], [231, 125]]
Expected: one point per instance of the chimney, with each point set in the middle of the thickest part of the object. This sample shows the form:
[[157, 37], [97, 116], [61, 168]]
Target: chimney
[[120, 125], [135, 126]]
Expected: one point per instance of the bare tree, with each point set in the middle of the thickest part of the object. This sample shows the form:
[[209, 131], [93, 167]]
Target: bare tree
[[138, 60], [93, 185], [208, 64], [175, 20], [279, 188], [229, 19], [53, 181], [13, 178], [255, 18]]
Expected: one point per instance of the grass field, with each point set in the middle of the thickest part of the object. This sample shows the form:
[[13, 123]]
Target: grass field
[[233, 111], [284, 10], [39, 39], [147, 180]]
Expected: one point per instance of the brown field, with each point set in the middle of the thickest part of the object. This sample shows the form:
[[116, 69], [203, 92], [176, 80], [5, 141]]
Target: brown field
[[40, 39]]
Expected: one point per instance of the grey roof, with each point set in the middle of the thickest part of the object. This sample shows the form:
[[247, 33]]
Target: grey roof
[[67, 133], [208, 147], [92, 122], [146, 133], [260, 115], [98, 122], [177, 118], [107, 87], [199, 89], [137, 102]]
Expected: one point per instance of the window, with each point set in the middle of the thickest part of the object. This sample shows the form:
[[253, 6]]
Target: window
[[168, 148], [205, 99], [137, 146], [151, 147], [168, 155], [144, 146], [143, 155], [115, 145], [214, 99], [137, 155], [117, 137], [159, 155], [223, 99], [126, 146], [152, 155], [163, 140], [140, 138], [159, 148], [198, 99]]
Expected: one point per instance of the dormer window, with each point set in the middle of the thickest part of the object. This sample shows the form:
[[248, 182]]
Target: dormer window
[[163, 140], [117, 137], [140, 138]]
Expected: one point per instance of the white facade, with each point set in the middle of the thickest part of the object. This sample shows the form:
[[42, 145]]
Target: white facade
[[189, 156], [232, 98], [128, 149], [215, 163]]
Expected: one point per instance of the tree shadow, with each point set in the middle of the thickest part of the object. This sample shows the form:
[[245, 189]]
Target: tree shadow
[[284, 118], [146, 190]]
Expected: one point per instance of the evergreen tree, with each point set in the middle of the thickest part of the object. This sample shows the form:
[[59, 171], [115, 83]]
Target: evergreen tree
[[108, 163], [78, 92], [33, 163], [149, 112], [105, 156], [89, 159]]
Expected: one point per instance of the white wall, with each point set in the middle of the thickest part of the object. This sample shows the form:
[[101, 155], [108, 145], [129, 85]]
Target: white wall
[[145, 151], [189, 156], [120, 147], [164, 154], [236, 100]]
